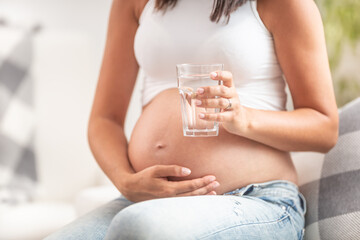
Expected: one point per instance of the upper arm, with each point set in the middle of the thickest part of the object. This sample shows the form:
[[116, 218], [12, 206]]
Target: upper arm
[[301, 50], [119, 67]]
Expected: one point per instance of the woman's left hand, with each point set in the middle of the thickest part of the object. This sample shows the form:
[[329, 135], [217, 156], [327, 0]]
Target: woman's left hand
[[232, 115]]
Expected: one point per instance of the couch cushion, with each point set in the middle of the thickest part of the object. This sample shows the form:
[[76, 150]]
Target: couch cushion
[[330, 182], [33, 221]]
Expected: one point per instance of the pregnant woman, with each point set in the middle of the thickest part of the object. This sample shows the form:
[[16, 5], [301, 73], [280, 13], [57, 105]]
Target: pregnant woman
[[242, 183]]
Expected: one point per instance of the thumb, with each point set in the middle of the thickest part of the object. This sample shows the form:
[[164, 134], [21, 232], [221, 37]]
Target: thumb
[[171, 171]]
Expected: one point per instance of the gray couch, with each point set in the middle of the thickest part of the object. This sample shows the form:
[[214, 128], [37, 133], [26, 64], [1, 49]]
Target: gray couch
[[331, 182]]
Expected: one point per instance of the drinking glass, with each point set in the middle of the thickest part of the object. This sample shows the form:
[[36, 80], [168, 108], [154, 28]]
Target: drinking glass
[[189, 78]]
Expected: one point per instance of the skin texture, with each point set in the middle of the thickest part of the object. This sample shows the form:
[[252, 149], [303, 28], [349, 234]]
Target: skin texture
[[299, 43]]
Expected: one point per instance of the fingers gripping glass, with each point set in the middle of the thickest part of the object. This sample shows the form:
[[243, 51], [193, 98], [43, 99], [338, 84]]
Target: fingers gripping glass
[[189, 78]]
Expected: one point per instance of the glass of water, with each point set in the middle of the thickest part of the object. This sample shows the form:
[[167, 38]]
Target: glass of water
[[190, 77]]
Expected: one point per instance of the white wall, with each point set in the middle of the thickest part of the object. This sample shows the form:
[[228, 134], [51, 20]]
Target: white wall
[[67, 59]]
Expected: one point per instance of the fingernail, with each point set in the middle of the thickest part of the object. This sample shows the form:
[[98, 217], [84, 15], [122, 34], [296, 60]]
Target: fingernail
[[185, 171], [213, 193], [215, 184], [201, 115], [198, 102], [200, 90], [211, 178], [214, 74]]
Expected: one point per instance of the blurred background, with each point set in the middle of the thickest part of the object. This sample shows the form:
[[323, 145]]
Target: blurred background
[[342, 31], [50, 57]]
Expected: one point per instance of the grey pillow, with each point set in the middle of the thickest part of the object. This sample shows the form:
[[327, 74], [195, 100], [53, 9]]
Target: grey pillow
[[333, 200], [18, 175]]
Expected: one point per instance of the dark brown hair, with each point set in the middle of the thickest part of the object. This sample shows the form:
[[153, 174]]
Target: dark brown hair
[[220, 7]]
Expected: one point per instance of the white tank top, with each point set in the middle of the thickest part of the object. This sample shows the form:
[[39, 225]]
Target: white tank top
[[185, 34]]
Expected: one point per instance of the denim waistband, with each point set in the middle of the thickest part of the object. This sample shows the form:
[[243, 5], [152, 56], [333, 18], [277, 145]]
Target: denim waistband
[[275, 188]]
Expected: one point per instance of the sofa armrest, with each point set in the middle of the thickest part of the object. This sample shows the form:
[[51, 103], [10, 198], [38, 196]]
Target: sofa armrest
[[91, 198]]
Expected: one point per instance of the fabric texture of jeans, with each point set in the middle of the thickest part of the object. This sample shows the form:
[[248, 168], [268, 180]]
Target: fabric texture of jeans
[[269, 210]]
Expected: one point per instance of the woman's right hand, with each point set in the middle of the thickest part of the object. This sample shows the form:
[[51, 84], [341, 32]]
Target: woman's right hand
[[152, 182]]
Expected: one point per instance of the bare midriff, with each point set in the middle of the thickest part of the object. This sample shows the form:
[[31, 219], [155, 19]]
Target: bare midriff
[[157, 138]]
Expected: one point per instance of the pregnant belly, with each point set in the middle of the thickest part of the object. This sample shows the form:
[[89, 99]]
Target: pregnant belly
[[236, 161]]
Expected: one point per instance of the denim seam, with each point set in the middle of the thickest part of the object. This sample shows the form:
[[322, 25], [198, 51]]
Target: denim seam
[[282, 218], [292, 220]]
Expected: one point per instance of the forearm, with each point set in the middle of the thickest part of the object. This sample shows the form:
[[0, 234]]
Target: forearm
[[303, 129], [109, 147]]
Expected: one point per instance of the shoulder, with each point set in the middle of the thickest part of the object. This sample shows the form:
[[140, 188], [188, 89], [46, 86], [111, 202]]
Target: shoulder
[[295, 15]]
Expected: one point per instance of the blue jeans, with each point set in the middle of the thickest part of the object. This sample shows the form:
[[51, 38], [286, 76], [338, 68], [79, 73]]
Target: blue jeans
[[270, 210]]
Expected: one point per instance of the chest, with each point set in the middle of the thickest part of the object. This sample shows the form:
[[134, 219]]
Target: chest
[[185, 34]]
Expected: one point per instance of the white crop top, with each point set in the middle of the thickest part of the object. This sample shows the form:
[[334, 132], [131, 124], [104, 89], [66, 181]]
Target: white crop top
[[185, 34]]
